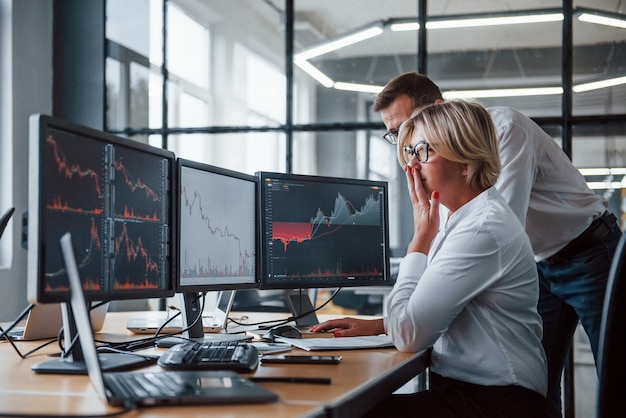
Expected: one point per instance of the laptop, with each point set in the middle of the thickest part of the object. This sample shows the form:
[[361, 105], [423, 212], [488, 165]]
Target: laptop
[[212, 324], [153, 388], [44, 321]]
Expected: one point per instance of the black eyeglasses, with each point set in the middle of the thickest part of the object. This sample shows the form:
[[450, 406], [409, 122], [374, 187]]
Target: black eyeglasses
[[420, 150], [391, 136]]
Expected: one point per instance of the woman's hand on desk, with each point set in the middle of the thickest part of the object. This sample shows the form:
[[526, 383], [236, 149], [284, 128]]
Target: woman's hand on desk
[[351, 327]]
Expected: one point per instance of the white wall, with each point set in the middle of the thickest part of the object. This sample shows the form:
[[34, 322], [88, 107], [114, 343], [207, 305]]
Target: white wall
[[25, 88]]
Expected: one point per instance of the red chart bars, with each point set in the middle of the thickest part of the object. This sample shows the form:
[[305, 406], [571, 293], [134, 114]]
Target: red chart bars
[[115, 200]]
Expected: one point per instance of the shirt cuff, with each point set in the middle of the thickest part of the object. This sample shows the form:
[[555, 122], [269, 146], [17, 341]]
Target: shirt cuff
[[412, 266]]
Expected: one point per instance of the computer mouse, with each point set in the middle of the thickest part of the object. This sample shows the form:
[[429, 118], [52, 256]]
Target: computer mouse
[[287, 331]]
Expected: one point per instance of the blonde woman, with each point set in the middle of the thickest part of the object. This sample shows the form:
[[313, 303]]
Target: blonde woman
[[468, 284]]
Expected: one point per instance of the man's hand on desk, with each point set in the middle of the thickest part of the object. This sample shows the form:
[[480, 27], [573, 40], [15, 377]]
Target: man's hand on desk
[[351, 327]]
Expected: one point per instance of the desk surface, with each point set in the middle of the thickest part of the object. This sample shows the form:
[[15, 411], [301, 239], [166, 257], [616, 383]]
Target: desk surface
[[361, 380]]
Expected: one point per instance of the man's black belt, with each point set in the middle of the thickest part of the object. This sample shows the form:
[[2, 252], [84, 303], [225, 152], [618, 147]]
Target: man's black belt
[[598, 229]]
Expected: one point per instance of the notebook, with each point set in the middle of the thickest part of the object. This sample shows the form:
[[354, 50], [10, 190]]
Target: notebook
[[341, 343], [214, 323], [45, 321], [153, 388]]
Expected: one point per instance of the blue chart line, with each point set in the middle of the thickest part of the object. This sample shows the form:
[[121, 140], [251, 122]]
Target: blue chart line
[[344, 213]]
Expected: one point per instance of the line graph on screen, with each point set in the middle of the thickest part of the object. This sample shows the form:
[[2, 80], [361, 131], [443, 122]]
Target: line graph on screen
[[218, 242], [344, 213], [323, 230]]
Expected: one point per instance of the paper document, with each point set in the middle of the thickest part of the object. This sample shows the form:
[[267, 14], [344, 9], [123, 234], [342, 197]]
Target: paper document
[[340, 343]]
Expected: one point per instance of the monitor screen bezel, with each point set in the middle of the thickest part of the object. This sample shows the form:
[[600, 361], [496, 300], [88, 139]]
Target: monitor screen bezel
[[39, 125], [307, 283], [182, 163]]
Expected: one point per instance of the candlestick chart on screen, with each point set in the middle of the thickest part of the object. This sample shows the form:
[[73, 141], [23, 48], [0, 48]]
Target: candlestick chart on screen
[[113, 200]]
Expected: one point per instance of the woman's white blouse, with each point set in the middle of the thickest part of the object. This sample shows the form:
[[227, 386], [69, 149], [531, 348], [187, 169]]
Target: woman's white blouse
[[474, 299]]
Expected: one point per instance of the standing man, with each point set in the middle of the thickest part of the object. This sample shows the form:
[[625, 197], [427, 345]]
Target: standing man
[[572, 234]]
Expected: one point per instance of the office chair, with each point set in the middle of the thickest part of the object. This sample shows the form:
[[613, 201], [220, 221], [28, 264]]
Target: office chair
[[612, 347], [4, 219]]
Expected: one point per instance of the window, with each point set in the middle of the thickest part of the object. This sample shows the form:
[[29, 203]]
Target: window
[[229, 95]]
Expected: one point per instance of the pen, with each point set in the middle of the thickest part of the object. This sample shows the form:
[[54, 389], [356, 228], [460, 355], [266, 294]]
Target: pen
[[138, 345], [281, 379]]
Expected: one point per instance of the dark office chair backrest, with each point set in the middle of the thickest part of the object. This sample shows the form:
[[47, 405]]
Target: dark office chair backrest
[[4, 219], [612, 349]]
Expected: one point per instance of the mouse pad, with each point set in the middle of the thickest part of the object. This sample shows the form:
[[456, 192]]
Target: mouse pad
[[257, 334]]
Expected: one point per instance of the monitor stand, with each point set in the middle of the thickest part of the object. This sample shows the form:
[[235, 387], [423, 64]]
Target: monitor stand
[[299, 302], [192, 310], [72, 361]]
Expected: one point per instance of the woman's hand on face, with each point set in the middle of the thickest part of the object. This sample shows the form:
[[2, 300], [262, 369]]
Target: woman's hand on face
[[425, 212], [351, 327]]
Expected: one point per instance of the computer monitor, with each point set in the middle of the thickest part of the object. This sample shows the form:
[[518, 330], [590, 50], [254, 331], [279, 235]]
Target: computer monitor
[[320, 232], [116, 198], [217, 235]]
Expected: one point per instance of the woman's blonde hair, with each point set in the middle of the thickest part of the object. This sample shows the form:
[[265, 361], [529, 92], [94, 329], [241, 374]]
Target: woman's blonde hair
[[461, 131]]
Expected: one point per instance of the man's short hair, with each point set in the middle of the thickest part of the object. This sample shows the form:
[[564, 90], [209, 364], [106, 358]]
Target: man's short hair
[[419, 88]]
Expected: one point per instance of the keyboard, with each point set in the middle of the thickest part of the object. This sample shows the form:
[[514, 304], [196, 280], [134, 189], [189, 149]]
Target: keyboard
[[217, 355], [16, 333]]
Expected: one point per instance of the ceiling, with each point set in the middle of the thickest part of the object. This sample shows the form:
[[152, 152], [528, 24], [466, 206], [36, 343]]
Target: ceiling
[[462, 58], [333, 17], [525, 55]]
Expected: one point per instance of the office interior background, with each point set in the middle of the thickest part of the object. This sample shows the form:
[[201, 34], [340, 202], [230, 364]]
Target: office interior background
[[287, 85]]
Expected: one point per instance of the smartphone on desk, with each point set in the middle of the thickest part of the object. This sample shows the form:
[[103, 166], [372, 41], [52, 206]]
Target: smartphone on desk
[[300, 359], [270, 348]]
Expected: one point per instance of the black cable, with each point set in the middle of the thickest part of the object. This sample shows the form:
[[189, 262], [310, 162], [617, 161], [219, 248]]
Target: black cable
[[319, 307], [34, 350], [164, 324], [60, 339], [3, 334], [99, 304], [199, 316], [61, 335], [66, 353], [289, 319], [271, 321], [141, 343], [126, 352]]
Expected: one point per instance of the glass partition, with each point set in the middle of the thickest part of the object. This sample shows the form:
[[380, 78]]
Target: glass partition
[[599, 59], [233, 102]]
